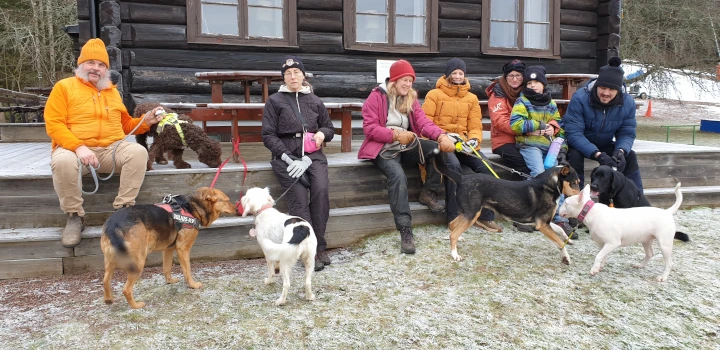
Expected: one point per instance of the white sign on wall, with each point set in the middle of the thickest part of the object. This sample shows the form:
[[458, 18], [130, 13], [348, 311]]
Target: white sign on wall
[[383, 70]]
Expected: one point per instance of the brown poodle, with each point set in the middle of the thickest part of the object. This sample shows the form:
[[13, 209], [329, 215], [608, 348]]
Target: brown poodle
[[207, 149]]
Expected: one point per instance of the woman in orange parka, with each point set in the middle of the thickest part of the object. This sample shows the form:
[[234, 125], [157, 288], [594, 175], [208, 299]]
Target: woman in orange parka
[[456, 110]]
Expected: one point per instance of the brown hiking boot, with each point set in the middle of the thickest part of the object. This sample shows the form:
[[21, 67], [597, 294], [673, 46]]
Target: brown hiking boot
[[319, 266], [324, 258], [407, 240], [488, 225], [71, 234], [428, 197], [524, 227]]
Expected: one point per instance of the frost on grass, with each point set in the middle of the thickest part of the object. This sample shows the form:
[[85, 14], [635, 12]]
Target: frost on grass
[[511, 291]]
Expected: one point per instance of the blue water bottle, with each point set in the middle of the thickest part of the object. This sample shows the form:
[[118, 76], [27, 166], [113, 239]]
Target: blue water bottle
[[553, 152]]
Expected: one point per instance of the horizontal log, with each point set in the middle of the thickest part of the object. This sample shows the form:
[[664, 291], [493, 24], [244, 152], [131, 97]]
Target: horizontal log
[[151, 13], [243, 60], [160, 2], [459, 47], [459, 28], [154, 35], [321, 43], [608, 25], [578, 49], [579, 18], [331, 5], [320, 21], [583, 5], [450, 10], [608, 41], [577, 33]]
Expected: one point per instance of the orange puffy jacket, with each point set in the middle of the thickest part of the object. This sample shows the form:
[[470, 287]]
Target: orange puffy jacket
[[77, 114], [454, 109]]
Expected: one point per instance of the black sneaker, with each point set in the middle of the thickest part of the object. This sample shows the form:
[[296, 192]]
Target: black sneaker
[[407, 240], [524, 227]]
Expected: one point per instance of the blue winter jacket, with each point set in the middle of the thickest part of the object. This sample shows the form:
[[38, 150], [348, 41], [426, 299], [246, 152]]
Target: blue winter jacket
[[589, 127]]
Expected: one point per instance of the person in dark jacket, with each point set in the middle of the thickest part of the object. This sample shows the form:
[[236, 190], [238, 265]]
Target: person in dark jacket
[[294, 126], [597, 114], [392, 116]]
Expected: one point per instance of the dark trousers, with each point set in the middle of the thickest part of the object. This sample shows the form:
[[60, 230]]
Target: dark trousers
[[311, 204], [510, 153], [455, 161], [397, 181], [632, 169]]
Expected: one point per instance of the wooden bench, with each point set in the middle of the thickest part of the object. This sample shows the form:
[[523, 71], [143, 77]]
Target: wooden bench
[[246, 77]]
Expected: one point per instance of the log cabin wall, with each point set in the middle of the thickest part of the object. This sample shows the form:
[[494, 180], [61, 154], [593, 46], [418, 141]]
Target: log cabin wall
[[609, 15], [158, 63]]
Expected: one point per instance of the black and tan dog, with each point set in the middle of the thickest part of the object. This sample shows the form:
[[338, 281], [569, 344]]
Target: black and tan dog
[[131, 233], [527, 202], [615, 190]]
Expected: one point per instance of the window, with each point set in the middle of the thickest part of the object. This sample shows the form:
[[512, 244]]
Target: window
[[248, 22], [521, 28], [391, 25]]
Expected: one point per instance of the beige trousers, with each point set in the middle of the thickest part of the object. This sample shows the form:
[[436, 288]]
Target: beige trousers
[[130, 162]]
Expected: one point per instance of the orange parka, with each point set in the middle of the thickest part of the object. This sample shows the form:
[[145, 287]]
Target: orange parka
[[454, 109], [77, 114]]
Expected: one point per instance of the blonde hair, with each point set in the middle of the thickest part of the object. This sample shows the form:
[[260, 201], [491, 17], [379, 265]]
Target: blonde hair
[[403, 104]]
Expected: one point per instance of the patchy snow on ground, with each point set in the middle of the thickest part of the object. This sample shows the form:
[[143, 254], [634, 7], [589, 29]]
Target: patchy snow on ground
[[679, 86], [511, 291]]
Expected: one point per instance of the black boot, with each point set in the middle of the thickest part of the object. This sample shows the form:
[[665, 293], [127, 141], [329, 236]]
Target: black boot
[[407, 240]]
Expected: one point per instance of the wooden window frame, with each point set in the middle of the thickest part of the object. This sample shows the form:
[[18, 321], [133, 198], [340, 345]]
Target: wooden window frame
[[195, 35], [554, 48], [431, 30]]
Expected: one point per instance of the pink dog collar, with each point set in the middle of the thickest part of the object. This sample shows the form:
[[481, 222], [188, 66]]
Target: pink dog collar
[[266, 206], [586, 208]]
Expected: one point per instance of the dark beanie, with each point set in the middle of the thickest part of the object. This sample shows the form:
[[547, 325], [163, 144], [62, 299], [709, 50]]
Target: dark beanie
[[514, 65], [612, 75], [454, 64], [292, 62], [535, 73]]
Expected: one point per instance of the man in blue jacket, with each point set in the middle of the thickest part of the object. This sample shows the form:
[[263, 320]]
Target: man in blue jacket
[[598, 113]]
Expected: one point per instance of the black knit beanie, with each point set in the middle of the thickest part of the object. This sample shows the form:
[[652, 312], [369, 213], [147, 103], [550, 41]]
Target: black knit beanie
[[612, 75], [454, 64], [535, 73], [514, 65], [292, 62]]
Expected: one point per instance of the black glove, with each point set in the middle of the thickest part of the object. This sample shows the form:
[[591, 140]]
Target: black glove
[[605, 159], [619, 156], [562, 157]]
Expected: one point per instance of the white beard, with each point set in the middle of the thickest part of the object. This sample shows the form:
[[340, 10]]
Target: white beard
[[102, 84]]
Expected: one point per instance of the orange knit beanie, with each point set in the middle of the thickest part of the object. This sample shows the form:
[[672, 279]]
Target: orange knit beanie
[[94, 49]]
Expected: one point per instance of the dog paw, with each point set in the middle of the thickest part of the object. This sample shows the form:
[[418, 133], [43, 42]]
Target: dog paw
[[269, 280], [149, 167], [594, 271], [280, 302], [161, 161], [108, 301], [566, 260], [460, 239], [195, 285], [661, 278], [182, 165], [639, 266], [456, 256], [172, 280], [310, 297], [138, 305]]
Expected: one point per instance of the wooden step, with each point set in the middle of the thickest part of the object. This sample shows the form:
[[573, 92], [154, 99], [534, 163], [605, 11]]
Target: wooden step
[[38, 252]]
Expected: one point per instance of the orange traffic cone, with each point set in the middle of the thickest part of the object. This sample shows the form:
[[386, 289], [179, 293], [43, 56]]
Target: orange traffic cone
[[648, 113]]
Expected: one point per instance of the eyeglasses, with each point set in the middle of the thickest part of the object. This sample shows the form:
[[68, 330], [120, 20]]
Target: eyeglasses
[[514, 77]]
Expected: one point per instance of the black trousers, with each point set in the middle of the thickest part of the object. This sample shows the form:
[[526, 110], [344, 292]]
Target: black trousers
[[397, 181], [311, 204], [632, 169], [455, 161], [510, 153]]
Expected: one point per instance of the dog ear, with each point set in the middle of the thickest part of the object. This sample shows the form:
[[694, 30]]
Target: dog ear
[[615, 183], [585, 194], [565, 170], [244, 201]]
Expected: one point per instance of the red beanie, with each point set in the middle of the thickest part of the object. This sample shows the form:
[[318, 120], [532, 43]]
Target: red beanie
[[401, 69]]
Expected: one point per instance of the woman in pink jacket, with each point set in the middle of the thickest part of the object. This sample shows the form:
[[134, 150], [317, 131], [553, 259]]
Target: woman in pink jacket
[[392, 116]]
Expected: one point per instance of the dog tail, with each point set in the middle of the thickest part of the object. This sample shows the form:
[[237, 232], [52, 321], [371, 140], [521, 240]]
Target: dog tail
[[115, 234], [678, 200], [442, 168], [682, 236]]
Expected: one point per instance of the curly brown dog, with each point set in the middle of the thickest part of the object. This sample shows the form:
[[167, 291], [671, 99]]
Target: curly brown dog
[[131, 233], [207, 149]]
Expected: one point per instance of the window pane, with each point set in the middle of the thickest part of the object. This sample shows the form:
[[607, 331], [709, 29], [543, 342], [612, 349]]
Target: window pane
[[265, 22], [223, 1], [410, 30], [537, 36], [272, 3], [537, 11], [504, 10], [372, 6], [503, 34], [219, 19], [410, 7], [371, 28]]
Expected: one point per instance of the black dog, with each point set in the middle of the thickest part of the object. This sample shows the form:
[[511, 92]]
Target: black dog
[[532, 201], [613, 189]]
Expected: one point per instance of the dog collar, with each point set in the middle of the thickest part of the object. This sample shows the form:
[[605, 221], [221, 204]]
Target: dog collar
[[266, 206], [586, 208]]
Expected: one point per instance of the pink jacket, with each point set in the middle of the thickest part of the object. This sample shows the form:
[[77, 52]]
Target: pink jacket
[[375, 112]]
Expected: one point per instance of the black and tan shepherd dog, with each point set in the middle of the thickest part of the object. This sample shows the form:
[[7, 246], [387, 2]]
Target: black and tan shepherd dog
[[527, 202], [131, 233]]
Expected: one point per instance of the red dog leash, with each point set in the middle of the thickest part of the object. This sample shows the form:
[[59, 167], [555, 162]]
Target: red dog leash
[[236, 150]]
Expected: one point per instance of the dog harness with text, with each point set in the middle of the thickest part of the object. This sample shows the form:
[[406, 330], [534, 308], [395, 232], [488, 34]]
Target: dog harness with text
[[182, 218], [586, 208], [172, 119]]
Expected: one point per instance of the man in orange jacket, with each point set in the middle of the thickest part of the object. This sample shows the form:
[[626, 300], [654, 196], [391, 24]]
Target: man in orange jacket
[[85, 118]]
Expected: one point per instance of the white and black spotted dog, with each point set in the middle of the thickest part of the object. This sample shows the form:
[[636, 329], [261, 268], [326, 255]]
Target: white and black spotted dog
[[284, 239]]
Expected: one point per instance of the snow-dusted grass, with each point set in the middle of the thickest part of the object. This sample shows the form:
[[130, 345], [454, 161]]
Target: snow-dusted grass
[[511, 291]]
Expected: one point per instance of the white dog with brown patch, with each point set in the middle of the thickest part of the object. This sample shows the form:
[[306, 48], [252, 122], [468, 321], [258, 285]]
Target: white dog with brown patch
[[284, 239], [612, 227]]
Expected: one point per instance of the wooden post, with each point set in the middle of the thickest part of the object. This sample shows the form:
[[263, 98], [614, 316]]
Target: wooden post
[[346, 131], [265, 86], [217, 94], [246, 85], [235, 133]]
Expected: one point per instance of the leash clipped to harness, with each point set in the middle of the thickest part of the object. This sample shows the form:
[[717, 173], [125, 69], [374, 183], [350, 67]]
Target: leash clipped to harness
[[462, 147], [235, 151], [181, 217], [172, 119]]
